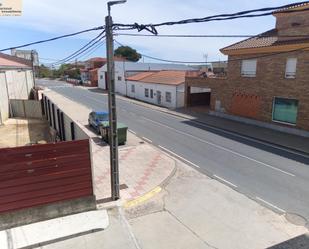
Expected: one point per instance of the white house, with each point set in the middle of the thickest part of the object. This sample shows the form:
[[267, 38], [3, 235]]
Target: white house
[[16, 81], [163, 88], [125, 69]]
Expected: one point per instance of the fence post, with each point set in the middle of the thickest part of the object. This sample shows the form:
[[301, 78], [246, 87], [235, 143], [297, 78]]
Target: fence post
[[62, 126], [72, 131]]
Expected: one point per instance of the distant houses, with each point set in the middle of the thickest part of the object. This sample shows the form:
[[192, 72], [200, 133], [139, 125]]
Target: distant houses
[[152, 81], [163, 88]]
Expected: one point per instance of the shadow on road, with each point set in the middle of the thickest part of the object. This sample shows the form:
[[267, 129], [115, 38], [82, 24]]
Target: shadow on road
[[300, 242], [272, 148]]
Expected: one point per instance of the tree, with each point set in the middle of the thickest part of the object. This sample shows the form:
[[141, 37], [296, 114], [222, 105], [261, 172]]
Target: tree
[[128, 53], [44, 72]]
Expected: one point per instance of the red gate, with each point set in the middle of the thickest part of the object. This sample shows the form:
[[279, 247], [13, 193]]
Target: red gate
[[42, 174]]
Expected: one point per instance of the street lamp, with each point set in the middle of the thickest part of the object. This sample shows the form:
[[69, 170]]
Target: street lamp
[[110, 4], [113, 134]]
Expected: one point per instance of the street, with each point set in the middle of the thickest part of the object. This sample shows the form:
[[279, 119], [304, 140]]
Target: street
[[274, 180]]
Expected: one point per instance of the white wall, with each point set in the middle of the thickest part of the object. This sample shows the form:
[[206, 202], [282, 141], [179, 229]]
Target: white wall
[[101, 79], [4, 103], [18, 84], [124, 69], [140, 93], [180, 96]]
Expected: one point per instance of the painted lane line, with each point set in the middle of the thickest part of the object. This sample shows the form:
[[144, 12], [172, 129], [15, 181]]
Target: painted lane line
[[177, 156], [226, 181], [222, 148], [248, 138], [146, 139], [132, 132], [225, 131], [271, 205]]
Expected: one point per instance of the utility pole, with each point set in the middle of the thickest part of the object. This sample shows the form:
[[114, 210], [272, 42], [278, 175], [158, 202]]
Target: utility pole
[[33, 69], [113, 134]]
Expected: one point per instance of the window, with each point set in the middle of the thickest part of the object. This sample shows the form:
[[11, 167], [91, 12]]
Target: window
[[285, 110], [168, 97], [290, 70], [151, 93], [101, 77], [119, 78], [146, 92], [133, 88], [248, 68]]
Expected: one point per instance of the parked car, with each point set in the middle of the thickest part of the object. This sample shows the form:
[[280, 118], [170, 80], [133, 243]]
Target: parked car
[[96, 118]]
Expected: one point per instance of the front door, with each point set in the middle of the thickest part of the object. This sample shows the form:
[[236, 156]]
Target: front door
[[159, 97]]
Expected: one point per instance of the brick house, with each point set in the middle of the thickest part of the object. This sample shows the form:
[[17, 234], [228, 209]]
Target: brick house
[[267, 76], [89, 73]]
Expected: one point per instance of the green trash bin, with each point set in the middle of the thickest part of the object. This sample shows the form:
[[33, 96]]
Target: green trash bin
[[122, 132]]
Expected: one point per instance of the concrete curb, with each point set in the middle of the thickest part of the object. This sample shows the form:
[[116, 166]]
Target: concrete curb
[[160, 109]]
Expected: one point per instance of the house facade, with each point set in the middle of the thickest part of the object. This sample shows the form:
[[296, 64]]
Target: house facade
[[163, 88], [267, 75], [125, 69], [16, 82], [89, 74]]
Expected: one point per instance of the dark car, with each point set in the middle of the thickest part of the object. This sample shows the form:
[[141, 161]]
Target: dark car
[[96, 118]]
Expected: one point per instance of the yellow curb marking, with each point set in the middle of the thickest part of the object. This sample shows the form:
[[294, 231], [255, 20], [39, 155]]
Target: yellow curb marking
[[143, 198]]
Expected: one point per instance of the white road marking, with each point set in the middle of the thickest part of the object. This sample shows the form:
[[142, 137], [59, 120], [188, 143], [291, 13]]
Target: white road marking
[[247, 138], [226, 181], [269, 204], [227, 132], [146, 139], [222, 148], [132, 132], [177, 156]]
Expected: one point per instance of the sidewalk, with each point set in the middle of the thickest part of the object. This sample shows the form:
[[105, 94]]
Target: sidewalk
[[285, 140], [151, 167], [189, 210]]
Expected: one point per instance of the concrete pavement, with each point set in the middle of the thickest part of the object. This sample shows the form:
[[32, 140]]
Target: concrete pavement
[[196, 210], [273, 176], [151, 167], [193, 211]]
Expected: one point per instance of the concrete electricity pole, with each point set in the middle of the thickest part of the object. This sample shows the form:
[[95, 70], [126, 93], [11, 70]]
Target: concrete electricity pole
[[113, 134], [33, 68]]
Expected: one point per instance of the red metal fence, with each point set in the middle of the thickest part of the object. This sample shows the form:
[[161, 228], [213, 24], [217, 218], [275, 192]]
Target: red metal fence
[[42, 174]]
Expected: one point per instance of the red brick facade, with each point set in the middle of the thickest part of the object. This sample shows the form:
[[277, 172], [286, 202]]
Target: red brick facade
[[253, 97]]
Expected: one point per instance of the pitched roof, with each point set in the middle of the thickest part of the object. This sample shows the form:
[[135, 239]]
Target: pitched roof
[[8, 61], [161, 77], [140, 76], [266, 39]]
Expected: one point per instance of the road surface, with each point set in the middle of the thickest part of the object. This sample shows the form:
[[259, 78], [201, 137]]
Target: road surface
[[274, 180]]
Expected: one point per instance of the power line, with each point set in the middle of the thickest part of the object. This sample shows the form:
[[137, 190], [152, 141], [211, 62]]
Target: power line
[[91, 51], [54, 38], [211, 36], [203, 62], [243, 14], [83, 49]]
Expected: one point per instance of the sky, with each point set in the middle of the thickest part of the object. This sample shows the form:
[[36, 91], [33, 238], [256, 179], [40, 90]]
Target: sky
[[49, 18]]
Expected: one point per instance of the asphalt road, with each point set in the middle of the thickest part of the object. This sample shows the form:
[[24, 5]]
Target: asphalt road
[[263, 173]]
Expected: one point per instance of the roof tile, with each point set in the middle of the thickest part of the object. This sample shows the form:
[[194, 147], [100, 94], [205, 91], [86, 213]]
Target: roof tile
[[162, 77]]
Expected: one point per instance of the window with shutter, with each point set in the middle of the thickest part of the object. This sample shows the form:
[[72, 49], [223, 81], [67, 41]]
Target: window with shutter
[[248, 68], [290, 70]]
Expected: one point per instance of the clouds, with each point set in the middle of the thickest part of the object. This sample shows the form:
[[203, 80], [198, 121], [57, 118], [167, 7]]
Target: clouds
[[56, 17]]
